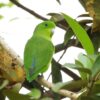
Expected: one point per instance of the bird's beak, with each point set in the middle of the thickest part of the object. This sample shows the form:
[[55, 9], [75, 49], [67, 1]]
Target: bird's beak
[[52, 32]]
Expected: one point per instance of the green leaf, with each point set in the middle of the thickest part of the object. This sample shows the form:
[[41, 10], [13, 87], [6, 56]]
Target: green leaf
[[78, 63], [16, 87], [96, 88], [82, 74], [80, 69], [56, 77], [84, 23], [56, 74], [75, 85], [71, 85], [9, 4], [59, 20], [90, 97], [56, 17], [2, 96], [2, 5], [58, 86], [46, 98], [85, 60], [15, 95], [35, 94], [84, 15], [93, 57], [4, 84], [1, 17], [80, 34], [69, 33], [96, 68]]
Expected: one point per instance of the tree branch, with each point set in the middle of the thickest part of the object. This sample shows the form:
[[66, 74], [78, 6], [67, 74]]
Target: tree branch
[[34, 13], [71, 42], [67, 71], [62, 92], [28, 10]]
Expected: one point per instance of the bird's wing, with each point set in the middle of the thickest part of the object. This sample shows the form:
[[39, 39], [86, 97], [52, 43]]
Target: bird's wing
[[37, 55]]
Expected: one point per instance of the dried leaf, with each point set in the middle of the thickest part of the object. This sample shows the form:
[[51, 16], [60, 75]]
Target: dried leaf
[[93, 7], [10, 69]]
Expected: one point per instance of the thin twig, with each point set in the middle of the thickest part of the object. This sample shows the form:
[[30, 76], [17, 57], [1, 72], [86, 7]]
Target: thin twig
[[62, 55]]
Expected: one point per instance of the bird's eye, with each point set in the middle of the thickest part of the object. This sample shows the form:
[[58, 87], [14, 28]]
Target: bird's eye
[[46, 25]]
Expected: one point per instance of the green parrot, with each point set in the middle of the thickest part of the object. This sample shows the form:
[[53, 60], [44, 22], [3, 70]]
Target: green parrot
[[39, 50]]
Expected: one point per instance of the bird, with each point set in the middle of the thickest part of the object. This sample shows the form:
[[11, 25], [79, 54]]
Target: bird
[[39, 50]]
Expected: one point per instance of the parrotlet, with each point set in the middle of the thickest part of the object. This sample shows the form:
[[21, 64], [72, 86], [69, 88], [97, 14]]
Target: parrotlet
[[39, 50]]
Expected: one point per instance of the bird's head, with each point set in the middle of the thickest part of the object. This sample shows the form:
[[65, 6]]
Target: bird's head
[[45, 29]]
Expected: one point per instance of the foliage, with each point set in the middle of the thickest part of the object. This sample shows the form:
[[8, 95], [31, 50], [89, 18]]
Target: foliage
[[84, 86]]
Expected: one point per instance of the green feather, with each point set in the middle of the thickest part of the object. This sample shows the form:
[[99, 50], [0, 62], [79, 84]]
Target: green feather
[[39, 50]]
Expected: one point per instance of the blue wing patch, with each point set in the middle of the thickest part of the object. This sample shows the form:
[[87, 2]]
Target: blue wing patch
[[32, 68]]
